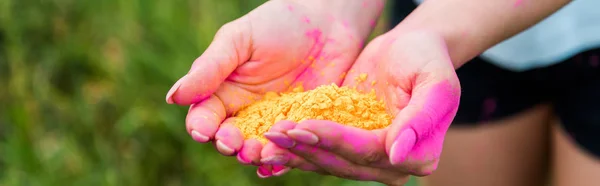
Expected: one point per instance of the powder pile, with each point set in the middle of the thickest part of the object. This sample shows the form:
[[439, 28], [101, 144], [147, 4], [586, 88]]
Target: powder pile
[[343, 105]]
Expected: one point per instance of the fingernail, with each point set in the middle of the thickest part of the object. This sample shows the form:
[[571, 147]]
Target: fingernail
[[402, 146], [263, 172], [241, 159], [303, 136], [275, 160], [280, 139], [280, 170], [224, 148], [199, 137], [173, 90]]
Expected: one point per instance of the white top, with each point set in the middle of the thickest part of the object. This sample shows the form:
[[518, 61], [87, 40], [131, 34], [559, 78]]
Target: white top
[[569, 31]]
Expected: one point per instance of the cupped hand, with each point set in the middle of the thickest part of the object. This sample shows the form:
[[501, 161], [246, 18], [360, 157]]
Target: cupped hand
[[413, 74], [277, 46]]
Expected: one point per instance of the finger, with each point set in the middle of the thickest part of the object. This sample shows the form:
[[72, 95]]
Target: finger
[[283, 126], [203, 119], [229, 49], [276, 156], [229, 139], [275, 151], [250, 152], [277, 134], [359, 146], [340, 167], [264, 171], [235, 97]]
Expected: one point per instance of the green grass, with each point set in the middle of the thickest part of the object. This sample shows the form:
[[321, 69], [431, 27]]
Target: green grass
[[82, 86]]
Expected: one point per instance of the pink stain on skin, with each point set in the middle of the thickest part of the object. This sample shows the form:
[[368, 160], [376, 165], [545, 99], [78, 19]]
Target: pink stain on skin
[[361, 142], [330, 133], [315, 54], [346, 25], [380, 4], [428, 126], [518, 3], [305, 19], [199, 98], [373, 23], [315, 35], [361, 44]]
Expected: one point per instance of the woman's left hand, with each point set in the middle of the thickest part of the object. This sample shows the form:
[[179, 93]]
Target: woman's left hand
[[415, 77]]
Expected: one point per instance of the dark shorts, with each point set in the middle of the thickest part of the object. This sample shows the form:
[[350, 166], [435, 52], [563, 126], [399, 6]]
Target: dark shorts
[[490, 93]]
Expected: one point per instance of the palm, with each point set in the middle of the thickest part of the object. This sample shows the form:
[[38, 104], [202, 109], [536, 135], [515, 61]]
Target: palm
[[277, 46], [409, 71], [413, 74], [391, 85], [294, 48]]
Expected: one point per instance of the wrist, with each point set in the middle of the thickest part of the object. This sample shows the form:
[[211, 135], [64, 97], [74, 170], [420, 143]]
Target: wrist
[[357, 16], [471, 27], [455, 41]]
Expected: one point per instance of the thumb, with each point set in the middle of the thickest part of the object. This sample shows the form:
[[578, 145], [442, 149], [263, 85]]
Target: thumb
[[418, 130], [229, 48]]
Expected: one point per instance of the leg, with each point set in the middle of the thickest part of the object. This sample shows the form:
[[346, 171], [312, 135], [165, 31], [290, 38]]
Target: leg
[[511, 148], [575, 137], [571, 164], [510, 151]]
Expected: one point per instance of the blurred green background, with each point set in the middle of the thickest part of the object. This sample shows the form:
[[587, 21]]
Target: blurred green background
[[82, 93]]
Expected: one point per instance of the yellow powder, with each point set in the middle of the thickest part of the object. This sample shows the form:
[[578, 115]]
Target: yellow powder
[[361, 78], [343, 105]]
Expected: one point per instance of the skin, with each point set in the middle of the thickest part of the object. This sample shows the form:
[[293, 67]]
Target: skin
[[471, 27], [571, 165], [417, 59], [421, 83], [511, 151], [277, 46]]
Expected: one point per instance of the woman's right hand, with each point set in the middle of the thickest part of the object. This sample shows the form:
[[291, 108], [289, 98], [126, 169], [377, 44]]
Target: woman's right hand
[[275, 47], [413, 74]]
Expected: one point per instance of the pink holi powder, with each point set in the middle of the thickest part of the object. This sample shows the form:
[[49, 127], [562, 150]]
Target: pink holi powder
[[380, 4], [518, 3], [361, 44], [199, 98], [345, 23], [373, 23], [290, 8], [305, 19], [431, 123], [314, 34], [360, 141]]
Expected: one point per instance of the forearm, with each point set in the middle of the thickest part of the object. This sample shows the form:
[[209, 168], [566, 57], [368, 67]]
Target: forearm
[[470, 27], [358, 15]]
